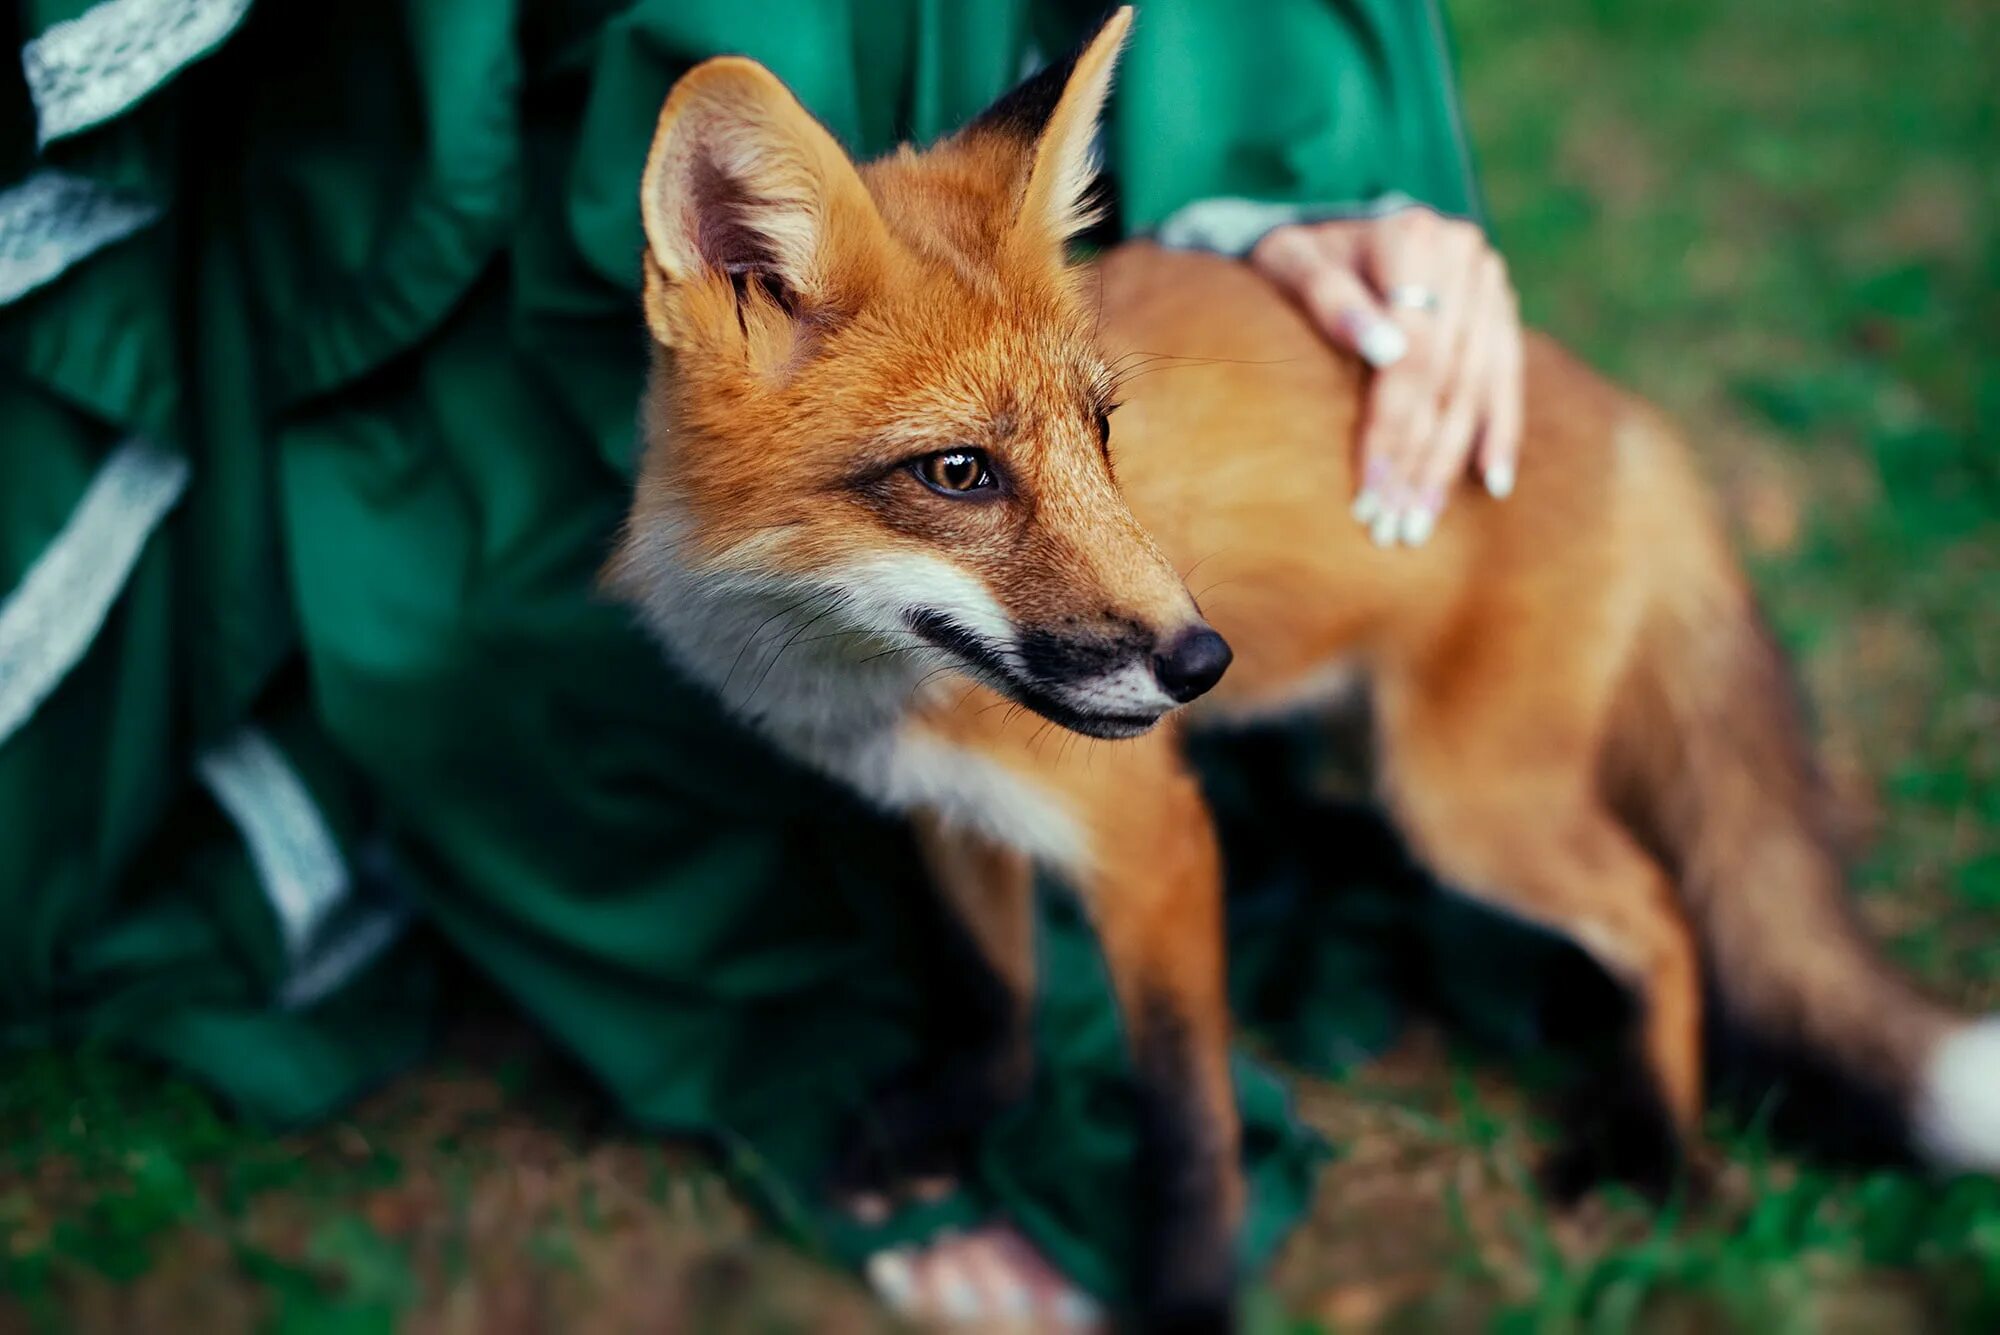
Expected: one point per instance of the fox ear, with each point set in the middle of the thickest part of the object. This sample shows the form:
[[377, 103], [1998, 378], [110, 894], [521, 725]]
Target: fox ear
[[1057, 113], [742, 182]]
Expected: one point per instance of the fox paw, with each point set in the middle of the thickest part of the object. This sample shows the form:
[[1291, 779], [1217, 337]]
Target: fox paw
[[1621, 1136]]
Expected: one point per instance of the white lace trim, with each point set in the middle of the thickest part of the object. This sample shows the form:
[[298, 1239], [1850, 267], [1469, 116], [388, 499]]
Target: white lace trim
[[53, 219], [1230, 225], [83, 71], [296, 856], [52, 616], [343, 956]]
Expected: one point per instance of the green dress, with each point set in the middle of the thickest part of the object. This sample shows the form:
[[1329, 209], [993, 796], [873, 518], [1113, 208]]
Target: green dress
[[319, 351]]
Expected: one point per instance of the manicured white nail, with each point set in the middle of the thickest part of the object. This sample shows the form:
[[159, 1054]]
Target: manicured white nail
[[1383, 531], [1500, 481], [891, 1275], [1077, 1309], [1417, 526], [1366, 506], [1380, 342]]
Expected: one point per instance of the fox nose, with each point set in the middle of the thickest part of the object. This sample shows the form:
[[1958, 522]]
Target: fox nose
[[1191, 663]]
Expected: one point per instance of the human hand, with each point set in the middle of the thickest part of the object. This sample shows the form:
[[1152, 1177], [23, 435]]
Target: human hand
[[1425, 300]]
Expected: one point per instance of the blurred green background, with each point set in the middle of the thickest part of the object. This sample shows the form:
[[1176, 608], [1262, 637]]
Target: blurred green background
[[1782, 222]]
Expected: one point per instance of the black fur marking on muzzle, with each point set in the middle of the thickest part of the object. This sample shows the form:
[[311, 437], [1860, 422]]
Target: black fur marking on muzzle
[[1048, 656], [940, 631]]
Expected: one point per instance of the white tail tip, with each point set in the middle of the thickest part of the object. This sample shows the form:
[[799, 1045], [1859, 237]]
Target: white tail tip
[[1958, 1108]]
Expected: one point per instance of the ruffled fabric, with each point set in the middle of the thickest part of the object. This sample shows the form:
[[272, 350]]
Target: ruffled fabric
[[318, 324]]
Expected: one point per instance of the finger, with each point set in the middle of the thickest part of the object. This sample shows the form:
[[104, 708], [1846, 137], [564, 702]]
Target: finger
[[1420, 249], [1450, 446], [1319, 271], [1400, 414], [1290, 254], [1467, 392], [1500, 440], [1346, 309]]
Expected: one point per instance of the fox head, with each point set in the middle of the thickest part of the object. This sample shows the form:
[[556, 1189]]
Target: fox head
[[876, 397]]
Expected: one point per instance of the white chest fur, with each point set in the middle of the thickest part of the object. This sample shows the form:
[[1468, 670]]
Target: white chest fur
[[843, 703], [827, 673], [915, 769]]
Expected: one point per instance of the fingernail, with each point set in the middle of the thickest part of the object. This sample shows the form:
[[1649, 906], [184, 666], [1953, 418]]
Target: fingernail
[[1417, 525], [1500, 481], [891, 1275], [1383, 532], [869, 1208], [1076, 1309], [1366, 506], [1380, 342]]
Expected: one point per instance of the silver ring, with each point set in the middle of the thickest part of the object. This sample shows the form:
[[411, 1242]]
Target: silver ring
[[1413, 297]]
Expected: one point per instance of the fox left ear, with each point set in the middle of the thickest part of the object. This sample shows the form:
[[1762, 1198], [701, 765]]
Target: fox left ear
[[1057, 112], [743, 184]]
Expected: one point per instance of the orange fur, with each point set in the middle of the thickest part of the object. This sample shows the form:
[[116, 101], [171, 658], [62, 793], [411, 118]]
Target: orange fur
[[1579, 721]]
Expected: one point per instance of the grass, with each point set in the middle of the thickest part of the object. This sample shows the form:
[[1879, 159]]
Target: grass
[[1781, 222]]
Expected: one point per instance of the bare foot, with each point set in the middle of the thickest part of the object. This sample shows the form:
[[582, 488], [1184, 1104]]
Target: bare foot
[[987, 1279]]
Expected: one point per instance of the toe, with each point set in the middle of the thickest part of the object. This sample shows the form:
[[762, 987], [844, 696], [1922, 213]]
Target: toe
[[893, 1276], [990, 1278]]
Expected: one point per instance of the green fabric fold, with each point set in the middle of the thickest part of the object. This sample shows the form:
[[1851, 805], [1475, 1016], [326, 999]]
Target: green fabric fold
[[385, 310]]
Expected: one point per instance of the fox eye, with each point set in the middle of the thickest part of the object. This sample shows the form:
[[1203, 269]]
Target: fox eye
[[956, 472]]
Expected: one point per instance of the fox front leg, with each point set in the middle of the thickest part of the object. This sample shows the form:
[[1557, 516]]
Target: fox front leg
[[1154, 890], [924, 1126]]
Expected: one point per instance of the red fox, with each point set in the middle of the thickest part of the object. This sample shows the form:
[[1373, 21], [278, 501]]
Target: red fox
[[882, 501]]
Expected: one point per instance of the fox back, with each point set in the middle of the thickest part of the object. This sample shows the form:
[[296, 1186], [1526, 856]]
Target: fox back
[[883, 497]]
